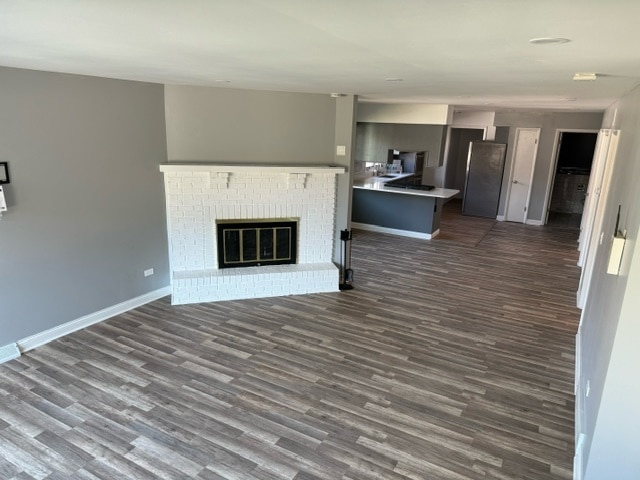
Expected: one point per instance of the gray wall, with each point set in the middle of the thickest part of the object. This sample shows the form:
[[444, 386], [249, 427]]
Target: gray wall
[[374, 140], [549, 123], [248, 126], [502, 135], [345, 134], [458, 154], [610, 329], [86, 203]]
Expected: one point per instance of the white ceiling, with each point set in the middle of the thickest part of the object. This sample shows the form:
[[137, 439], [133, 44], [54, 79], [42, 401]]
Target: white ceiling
[[458, 52]]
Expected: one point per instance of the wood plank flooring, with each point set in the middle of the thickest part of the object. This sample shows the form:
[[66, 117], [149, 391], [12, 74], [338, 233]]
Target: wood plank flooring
[[462, 229], [447, 361]]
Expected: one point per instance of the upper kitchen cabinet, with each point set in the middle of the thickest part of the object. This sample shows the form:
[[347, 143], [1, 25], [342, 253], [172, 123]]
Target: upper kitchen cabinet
[[374, 140]]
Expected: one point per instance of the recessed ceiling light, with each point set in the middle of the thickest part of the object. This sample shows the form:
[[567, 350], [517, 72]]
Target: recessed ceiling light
[[549, 40], [223, 81], [571, 99], [394, 79], [585, 77], [337, 95]]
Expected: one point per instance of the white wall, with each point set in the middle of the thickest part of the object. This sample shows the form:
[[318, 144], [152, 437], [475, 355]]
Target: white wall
[[610, 329], [86, 203]]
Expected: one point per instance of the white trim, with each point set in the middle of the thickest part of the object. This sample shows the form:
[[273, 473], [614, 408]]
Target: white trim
[[593, 236], [394, 231], [500, 218], [578, 459], [534, 222], [578, 364], [594, 189], [9, 352], [47, 336], [221, 167]]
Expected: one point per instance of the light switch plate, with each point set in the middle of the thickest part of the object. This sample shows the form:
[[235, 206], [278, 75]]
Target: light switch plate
[[341, 150], [615, 258], [3, 203]]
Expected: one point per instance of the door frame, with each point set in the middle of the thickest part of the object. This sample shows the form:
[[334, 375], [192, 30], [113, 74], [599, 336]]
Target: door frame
[[594, 189], [552, 171], [512, 171], [595, 234]]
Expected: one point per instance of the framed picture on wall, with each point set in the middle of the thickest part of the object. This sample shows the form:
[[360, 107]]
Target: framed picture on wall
[[4, 173]]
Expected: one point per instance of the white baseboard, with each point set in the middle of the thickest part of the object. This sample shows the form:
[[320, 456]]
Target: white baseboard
[[578, 459], [9, 352], [47, 336], [394, 231], [502, 218]]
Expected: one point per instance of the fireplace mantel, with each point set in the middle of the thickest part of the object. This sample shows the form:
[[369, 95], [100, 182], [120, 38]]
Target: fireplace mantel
[[200, 194], [214, 167]]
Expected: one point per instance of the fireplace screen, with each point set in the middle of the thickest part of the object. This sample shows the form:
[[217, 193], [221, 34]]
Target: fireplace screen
[[243, 243]]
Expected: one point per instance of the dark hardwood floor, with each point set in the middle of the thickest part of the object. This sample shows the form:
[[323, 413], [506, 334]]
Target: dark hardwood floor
[[455, 227], [449, 360], [562, 219]]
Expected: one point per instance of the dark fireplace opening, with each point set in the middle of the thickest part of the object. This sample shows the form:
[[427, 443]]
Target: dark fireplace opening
[[250, 243]]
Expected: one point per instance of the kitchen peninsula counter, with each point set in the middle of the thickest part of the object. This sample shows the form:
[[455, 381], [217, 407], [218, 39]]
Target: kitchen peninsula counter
[[396, 210]]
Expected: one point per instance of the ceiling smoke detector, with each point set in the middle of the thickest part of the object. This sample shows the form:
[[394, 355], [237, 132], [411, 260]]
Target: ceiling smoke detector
[[585, 77]]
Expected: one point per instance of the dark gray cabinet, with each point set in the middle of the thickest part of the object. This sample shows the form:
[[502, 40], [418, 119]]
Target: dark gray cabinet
[[374, 140]]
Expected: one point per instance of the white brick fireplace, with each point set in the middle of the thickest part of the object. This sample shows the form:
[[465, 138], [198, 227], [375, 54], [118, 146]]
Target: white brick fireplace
[[199, 194]]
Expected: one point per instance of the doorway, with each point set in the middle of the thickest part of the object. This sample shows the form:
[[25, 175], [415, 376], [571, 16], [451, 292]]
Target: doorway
[[568, 192], [457, 154]]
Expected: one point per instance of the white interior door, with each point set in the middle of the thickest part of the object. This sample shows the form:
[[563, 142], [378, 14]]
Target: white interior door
[[524, 161]]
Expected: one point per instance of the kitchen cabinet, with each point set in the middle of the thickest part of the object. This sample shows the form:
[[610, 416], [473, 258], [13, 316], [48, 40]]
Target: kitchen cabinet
[[374, 140], [405, 212]]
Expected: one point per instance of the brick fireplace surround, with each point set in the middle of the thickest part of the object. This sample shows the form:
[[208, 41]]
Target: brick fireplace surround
[[198, 194]]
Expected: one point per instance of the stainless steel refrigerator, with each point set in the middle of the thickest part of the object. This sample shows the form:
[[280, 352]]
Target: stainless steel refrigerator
[[485, 166]]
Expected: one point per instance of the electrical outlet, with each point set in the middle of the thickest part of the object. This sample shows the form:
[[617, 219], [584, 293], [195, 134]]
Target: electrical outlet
[[341, 150], [148, 272]]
